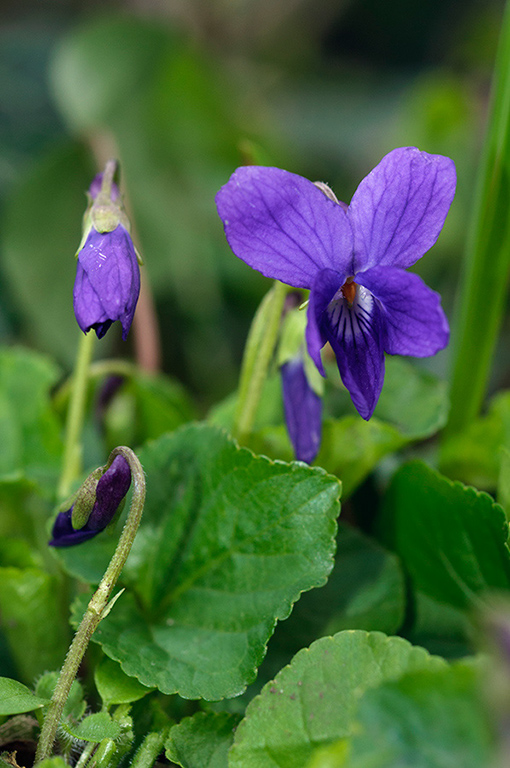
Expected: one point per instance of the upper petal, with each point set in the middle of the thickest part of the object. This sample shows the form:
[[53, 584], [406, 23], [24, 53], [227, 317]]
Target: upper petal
[[398, 210], [283, 225], [414, 322]]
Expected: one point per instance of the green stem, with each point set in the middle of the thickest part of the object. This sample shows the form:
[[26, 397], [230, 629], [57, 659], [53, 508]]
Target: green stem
[[97, 370], [71, 466], [487, 266], [97, 608], [149, 749], [259, 350]]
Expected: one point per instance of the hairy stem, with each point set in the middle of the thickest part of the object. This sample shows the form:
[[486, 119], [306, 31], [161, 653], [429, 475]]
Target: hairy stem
[[71, 466], [97, 608]]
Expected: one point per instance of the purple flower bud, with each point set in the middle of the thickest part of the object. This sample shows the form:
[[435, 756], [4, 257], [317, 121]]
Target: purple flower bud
[[111, 489], [303, 410], [107, 281]]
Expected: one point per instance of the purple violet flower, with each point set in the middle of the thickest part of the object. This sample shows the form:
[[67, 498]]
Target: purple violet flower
[[303, 410], [111, 489], [352, 258], [107, 281]]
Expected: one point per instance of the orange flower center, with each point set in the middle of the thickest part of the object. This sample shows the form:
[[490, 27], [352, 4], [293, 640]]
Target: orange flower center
[[349, 291]]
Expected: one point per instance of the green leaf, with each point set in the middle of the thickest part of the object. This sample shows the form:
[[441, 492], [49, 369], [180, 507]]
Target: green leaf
[[351, 448], [114, 686], [53, 762], [364, 591], [16, 698], [228, 542], [451, 538], [414, 401], [41, 231], [31, 442], [474, 454], [202, 741], [94, 728], [432, 718], [32, 619], [146, 407], [504, 481], [313, 702]]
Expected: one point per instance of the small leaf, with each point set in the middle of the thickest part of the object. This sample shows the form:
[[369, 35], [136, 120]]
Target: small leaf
[[202, 741], [414, 401], [31, 441], [427, 719], [313, 702], [226, 530], [451, 538], [114, 686], [94, 728], [15, 698], [32, 619]]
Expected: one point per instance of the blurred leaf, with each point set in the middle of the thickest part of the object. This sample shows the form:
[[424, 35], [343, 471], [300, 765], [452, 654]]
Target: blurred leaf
[[452, 539], [99, 65], [146, 407], [440, 628], [114, 686], [504, 481], [474, 455], [16, 698], [33, 620], [94, 727], [202, 741], [224, 529], [41, 231], [31, 444], [432, 718], [351, 448], [412, 400], [313, 702]]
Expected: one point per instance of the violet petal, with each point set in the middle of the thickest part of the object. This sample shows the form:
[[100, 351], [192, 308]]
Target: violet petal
[[356, 335], [325, 286], [111, 489], [303, 410], [398, 210], [107, 281], [414, 322], [283, 225]]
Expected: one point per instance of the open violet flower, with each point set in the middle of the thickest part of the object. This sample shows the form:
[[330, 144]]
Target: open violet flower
[[352, 258], [107, 283], [109, 493]]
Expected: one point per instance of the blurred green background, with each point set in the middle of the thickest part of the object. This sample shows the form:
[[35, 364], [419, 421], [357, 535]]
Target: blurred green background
[[184, 91]]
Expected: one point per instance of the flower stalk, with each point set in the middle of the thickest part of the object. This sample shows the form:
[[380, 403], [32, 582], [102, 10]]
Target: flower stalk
[[259, 350], [71, 466], [98, 606]]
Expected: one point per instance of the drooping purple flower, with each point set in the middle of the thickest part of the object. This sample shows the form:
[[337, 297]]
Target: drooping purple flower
[[107, 281], [352, 258], [303, 410], [111, 489]]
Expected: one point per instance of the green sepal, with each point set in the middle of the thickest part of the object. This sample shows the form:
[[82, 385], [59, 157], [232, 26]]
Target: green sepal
[[85, 499], [292, 344]]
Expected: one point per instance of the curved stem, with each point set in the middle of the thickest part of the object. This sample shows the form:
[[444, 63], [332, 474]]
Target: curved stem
[[98, 606], [71, 466], [258, 352]]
